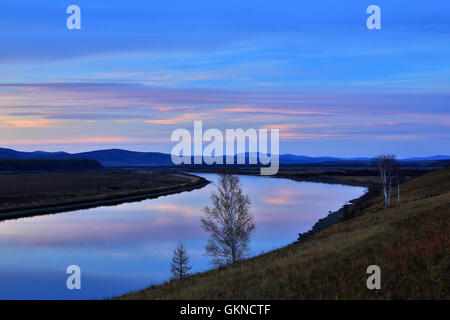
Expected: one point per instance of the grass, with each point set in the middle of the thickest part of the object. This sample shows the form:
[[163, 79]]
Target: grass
[[410, 243], [365, 176], [36, 190]]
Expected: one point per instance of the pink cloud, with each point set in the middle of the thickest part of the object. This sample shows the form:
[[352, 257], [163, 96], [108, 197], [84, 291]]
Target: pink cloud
[[89, 140], [387, 123], [267, 110], [183, 118], [292, 126], [26, 123], [306, 136]]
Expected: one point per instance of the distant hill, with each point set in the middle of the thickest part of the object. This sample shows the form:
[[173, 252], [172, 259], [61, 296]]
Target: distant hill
[[119, 157], [48, 165], [291, 158], [108, 158], [432, 158]]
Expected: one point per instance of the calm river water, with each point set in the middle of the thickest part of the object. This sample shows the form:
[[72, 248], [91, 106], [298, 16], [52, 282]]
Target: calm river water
[[129, 246]]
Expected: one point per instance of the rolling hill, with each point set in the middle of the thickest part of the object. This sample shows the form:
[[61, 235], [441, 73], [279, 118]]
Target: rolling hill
[[120, 158], [410, 243]]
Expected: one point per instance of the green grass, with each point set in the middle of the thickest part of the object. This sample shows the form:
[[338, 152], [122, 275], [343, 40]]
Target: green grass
[[410, 243]]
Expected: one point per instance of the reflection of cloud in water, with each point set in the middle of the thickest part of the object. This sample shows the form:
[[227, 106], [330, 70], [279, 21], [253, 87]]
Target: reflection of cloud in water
[[136, 240], [86, 228], [283, 217], [178, 210], [305, 196], [286, 205]]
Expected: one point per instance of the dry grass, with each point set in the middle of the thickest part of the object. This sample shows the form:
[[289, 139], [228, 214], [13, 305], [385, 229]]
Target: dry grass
[[410, 243], [22, 191]]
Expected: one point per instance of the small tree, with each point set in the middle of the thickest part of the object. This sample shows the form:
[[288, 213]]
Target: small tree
[[180, 263], [228, 222], [386, 165]]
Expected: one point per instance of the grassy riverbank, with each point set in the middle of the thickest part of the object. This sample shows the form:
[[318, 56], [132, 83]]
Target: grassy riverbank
[[410, 243], [24, 194], [362, 175]]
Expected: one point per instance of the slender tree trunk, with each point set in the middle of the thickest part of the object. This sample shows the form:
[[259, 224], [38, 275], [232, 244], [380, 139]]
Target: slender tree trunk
[[389, 194], [387, 168]]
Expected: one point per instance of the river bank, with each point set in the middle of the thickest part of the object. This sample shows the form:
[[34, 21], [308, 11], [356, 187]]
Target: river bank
[[38, 193], [357, 177], [133, 240], [410, 242]]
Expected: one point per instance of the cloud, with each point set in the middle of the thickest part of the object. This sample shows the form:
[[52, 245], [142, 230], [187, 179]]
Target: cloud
[[17, 122], [276, 111], [383, 124], [307, 136], [134, 96], [183, 118], [88, 140], [126, 115]]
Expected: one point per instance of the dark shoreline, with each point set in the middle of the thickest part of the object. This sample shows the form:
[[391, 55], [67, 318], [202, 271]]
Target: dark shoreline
[[323, 223], [332, 264], [342, 176], [108, 201], [199, 182], [348, 211]]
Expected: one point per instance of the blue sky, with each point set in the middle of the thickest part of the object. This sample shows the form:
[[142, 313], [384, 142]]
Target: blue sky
[[139, 69]]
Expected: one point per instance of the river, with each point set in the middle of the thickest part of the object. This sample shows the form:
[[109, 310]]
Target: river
[[128, 247]]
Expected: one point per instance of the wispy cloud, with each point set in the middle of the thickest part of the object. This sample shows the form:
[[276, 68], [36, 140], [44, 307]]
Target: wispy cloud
[[273, 111], [180, 119], [18, 122], [306, 136], [87, 140]]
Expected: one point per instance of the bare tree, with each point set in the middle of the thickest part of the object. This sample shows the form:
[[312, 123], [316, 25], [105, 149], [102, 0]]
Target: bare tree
[[398, 178], [180, 263], [386, 165], [228, 222]]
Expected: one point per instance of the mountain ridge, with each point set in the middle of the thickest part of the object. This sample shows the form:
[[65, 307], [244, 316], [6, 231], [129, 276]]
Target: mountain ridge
[[121, 157]]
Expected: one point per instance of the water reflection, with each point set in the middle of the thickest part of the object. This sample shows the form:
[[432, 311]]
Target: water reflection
[[129, 246]]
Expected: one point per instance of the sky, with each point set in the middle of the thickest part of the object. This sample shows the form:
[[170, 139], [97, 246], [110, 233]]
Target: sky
[[137, 70]]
